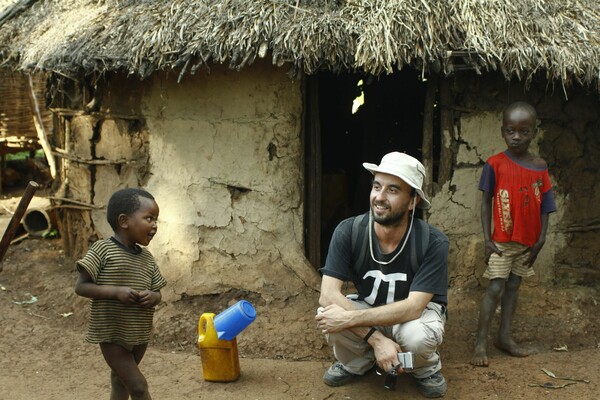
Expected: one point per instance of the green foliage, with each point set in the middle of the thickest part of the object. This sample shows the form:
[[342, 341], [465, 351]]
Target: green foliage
[[22, 155], [53, 233]]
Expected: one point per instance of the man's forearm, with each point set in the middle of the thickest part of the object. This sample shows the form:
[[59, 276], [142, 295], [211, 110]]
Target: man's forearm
[[336, 298], [386, 315]]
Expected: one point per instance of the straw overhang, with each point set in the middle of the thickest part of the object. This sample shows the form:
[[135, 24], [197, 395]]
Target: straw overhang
[[561, 38]]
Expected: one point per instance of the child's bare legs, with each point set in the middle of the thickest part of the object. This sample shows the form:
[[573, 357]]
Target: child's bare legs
[[509, 305], [118, 391], [490, 301], [126, 377]]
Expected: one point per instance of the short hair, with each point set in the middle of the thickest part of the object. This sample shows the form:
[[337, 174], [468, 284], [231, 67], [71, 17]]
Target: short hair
[[521, 105], [125, 201]]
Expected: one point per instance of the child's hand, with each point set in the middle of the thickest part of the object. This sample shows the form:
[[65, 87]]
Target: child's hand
[[148, 298], [127, 295], [534, 251], [490, 247]]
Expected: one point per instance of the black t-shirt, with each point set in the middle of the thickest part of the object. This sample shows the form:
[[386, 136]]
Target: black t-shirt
[[383, 284]]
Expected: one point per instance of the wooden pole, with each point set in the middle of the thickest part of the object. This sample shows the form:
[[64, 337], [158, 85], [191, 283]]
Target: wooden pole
[[16, 219], [447, 130], [428, 110], [39, 127], [314, 172]]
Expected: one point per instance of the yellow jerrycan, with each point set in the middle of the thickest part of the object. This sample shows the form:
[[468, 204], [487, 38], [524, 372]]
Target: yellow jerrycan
[[220, 361]]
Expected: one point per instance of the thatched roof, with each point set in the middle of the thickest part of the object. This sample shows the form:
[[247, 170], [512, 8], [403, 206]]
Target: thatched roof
[[560, 37]]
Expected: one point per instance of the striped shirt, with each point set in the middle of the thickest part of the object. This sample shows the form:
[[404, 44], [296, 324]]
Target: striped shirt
[[108, 262]]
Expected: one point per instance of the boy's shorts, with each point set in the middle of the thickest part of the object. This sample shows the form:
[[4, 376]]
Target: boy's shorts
[[514, 258]]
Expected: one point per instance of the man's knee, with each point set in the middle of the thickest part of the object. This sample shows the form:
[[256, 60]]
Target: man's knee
[[420, 338], [346, 339]]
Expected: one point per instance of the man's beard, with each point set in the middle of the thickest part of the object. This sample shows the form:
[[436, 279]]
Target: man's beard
[[389, 219]]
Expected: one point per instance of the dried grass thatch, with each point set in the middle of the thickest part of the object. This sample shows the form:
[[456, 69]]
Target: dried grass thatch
[[560, 37]]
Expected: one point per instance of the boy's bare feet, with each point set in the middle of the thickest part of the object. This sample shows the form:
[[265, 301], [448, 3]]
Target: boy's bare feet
[[511, 348], [480, 358]]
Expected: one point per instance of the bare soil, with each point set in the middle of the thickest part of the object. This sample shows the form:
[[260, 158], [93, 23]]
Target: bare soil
[[282, 355]]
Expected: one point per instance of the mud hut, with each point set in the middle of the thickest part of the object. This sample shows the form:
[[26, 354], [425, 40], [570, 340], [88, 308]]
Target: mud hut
[[237, 115]]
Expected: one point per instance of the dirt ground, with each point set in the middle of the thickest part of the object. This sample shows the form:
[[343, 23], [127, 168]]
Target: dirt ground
[[282, 355]]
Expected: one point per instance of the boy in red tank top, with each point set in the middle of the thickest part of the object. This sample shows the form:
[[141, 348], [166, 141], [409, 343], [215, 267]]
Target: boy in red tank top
[[517, 194]]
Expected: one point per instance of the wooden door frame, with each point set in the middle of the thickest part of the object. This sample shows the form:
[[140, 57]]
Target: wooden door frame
[[313, 170]]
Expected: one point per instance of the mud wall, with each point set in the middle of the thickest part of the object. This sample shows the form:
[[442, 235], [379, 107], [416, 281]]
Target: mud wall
[[226, 165], [221, 151], [568, 139], [99, 151]]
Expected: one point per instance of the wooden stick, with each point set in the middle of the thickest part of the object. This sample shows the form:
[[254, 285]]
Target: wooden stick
[[93, 162], [39, 128], [16, 219], [427, 145], [80, 203], [19, 238], [447, 132], [587, 228], [315, 172]]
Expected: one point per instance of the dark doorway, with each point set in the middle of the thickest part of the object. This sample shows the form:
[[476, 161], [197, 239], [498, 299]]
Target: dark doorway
[[390, 119]]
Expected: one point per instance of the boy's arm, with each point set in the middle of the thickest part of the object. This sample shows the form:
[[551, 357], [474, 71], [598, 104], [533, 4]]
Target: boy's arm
[[486, 223], [87, 288], [535, 249]]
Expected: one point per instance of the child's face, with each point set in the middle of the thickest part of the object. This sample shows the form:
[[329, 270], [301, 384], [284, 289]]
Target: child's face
[[518, 130], [140, 227]]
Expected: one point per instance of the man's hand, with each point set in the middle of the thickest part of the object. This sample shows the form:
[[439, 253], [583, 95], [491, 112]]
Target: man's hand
[[333, 319], [386, 352]]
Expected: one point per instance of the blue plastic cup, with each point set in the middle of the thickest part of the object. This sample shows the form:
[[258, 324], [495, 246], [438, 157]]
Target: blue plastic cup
[[233, 320]]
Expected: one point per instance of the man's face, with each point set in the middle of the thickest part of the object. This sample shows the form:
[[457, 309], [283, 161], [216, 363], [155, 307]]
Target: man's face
[[390, 199]]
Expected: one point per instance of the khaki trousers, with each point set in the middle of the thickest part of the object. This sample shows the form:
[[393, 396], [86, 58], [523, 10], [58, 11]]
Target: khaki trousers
[[422, 337]]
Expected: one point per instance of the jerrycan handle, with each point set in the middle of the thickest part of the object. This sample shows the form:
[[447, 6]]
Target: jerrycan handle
[[206, 327]]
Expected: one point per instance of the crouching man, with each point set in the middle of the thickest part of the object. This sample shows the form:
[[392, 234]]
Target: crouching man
[[398, 265]]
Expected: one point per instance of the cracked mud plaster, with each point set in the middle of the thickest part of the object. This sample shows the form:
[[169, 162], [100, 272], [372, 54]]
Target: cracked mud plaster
[[236, 192]]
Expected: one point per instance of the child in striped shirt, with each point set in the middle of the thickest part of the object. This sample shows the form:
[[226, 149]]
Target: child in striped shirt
[[123, 282]]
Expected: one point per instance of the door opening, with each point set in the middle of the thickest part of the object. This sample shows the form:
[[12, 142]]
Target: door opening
[[349, 133]]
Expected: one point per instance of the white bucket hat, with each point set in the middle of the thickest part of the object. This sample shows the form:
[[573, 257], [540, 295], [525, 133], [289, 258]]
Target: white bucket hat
[[405, 167]]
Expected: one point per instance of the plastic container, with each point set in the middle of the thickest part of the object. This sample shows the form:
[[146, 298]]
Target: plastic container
[[235, 319], [220, 361]]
